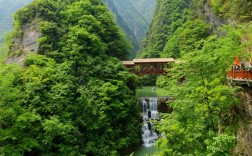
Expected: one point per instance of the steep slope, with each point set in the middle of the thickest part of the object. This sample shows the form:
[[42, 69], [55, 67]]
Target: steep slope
[[172, 14], [237, 10], [131, 20], [134, 18], [7, 8], [70, 95], [168, 16], [121, 21], [146, 8], [210, 117]]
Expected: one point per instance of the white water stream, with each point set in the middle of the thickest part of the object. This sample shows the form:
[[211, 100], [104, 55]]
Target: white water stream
[[149, 112]]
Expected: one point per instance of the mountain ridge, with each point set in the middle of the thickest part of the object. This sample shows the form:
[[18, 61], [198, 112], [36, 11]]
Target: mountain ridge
[[134, 23]]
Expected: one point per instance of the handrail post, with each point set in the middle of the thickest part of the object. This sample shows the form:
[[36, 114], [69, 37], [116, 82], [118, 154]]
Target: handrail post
[[233, 71]]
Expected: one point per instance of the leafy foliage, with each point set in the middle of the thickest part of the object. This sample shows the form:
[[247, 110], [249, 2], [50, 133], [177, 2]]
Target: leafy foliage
[[237, 9], [2, 50], [186, 38], [133, 17], [202, 122], [196, 126], [73, 97], [168, 17]]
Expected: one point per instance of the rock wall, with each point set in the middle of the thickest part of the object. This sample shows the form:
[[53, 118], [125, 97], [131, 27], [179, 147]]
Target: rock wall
[[244, 134], [211, 18], [163, 104], [25, 43], [205, 11]]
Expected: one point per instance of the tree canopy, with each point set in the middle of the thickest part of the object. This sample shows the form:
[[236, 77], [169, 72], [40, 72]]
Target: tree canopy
[[72, 97], [205, 117]]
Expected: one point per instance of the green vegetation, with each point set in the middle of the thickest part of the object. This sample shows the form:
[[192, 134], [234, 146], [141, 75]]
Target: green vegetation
[[186, 38], [236, 10], [134, 21], [168, 17], [203, 121], [73, 97], [133, 17], [2, 50]]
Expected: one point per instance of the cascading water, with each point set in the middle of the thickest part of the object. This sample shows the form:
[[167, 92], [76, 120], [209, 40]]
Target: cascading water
[[149, 112]]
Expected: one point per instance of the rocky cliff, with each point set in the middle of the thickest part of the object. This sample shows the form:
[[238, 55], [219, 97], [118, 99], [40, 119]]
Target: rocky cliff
[[244, 134], [25, 43]]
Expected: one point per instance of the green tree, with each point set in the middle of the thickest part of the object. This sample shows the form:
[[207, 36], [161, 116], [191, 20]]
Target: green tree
[[194, 126], [186, 38], [73, 97], [236, 10], [169, 15]]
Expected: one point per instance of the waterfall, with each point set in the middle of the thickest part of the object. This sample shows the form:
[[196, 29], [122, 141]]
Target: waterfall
[[149, 112]]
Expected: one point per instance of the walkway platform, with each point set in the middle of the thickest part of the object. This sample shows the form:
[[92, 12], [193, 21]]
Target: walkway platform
[[242, 77]]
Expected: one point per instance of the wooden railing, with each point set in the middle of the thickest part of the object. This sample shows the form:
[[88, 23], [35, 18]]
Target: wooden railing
[[148, 66], [242, 74]]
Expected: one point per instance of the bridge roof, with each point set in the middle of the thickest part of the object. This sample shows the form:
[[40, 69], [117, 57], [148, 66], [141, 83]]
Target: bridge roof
[[153, 60], [128, 63], [148, 61]]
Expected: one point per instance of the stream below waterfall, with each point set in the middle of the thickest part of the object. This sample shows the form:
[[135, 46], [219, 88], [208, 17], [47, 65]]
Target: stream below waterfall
[[149, 106], [148, 132], [149, 112]]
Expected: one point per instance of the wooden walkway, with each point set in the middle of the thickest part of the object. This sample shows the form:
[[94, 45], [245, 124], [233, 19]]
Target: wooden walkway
[[148, 66], [242, 77]]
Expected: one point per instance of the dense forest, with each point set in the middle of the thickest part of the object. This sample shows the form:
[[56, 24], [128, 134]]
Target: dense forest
[[133, 17], [71, 97], [64, 91], [205, 36]]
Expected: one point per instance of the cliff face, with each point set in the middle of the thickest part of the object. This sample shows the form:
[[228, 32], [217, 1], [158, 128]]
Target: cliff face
[[145, 7], [244, 134], [25, 43], [212, 19]]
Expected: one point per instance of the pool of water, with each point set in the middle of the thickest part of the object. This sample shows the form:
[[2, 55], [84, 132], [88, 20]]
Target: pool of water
[[146, 91], [150, 91], [143, 151]]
